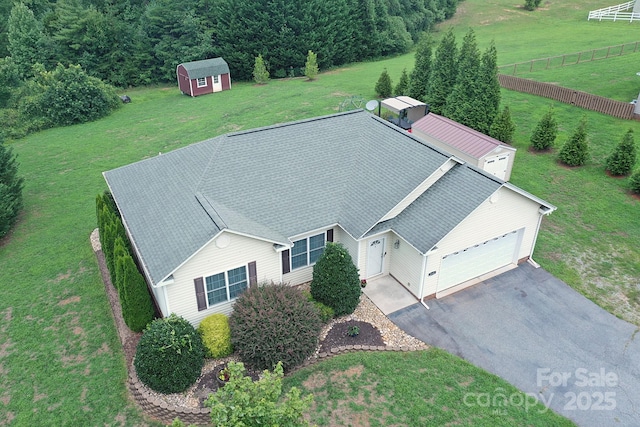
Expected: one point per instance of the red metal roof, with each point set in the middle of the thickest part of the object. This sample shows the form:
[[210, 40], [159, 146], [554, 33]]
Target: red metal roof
[[456, 135]]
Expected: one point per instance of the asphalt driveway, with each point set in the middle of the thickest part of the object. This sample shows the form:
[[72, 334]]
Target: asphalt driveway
[[543, 337]]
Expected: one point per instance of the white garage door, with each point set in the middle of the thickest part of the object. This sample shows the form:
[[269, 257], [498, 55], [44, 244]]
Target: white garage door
[[477, 260]]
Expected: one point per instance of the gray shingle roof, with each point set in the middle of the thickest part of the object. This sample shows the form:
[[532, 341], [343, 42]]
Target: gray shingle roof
[[279, 181], [206, 67]]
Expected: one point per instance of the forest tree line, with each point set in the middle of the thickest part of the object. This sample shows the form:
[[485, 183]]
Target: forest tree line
[[139, 42]]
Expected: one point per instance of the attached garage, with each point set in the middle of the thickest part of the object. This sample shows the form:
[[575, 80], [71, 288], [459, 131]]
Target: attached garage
[[484, 257]]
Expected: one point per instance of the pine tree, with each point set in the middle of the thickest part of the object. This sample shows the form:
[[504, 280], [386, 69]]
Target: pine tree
[[634, 182], [402, 88], [421, 70], [503, 128], [138, 309], [486, 103], [462, 101], [575, 151], [260, 73], [544, 135], [10, 189], [444, 70], [623, 158], [311, 66], [383, 86]]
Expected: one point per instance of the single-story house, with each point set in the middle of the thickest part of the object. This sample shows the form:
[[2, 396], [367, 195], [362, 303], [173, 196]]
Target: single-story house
[[209, 220], [489, 154], [201, 77]]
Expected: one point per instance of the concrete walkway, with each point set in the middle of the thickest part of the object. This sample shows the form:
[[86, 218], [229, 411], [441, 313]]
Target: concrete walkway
[[388, 295], [543, 337]]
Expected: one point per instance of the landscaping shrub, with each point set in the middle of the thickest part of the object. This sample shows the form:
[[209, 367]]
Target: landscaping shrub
[[216, 336], [634, 182], [274, 323], [545, 132], [137, 309], [11, 185], [575, 151], [325, 312], [336, 282], [170, 355], [623, 158], [383, 86], [311, 66], [244, 402]]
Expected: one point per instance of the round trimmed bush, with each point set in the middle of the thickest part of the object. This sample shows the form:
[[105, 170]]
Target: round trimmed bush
[[336, 282], [170, 355], [216, 336], [274, 323]]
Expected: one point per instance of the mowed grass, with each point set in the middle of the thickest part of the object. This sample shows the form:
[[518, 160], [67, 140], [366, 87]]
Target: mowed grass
[[422, 388], [60, 358]]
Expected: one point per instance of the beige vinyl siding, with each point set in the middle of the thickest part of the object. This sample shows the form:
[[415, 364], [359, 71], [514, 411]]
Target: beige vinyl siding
[[350, 244], [405, 264], [510, 211], [298, 276], [240, 251]]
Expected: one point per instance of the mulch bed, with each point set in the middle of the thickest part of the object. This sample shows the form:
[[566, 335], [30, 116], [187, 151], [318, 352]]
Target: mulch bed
[[338, 336]]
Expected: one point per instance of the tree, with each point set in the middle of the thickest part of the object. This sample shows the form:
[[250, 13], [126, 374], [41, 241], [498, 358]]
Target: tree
[[383, 85], [623, 158], [11, 186], [575, 151], [443, 73], [336, 282], [244, 402], [402, 88], [485, 105], [634, 182], [138, 310], [421, 70], [544, 135], [10, 80], [311, 66], [24, 36], [503, 128], [260, 73]]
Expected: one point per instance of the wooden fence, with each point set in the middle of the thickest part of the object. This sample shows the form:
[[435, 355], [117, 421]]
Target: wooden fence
[[622, 110]]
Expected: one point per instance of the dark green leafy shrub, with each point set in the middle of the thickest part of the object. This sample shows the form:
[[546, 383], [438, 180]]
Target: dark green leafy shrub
[[383, 85], [634, 182], [575, 151], [530, 5], [274, 323], [170, 355], [216, 336], [10, 189], [325, 312], [545, 132], [623, 158], [336, 282]]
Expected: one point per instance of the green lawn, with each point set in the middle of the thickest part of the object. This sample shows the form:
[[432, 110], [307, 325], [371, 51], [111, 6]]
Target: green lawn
[[60, 358]]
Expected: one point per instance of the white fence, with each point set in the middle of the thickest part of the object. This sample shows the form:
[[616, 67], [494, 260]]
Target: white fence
[[616, 13]]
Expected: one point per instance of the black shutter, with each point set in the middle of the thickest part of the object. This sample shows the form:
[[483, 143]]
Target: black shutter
[[253, 275], [285, 262], [200, 296], [330, 235]]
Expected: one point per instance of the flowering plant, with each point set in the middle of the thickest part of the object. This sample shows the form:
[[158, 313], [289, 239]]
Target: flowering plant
[[363, 283]]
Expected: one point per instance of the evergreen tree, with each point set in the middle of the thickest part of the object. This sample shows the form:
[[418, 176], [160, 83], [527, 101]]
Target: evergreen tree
[[24, 36], [10, 80], [10, 189], [335, 280], [138, 310], [503, 128], [529, 5], [421, 70], [486, 104], [260, 73], [634, 182], [311, 66], [402, 87], [623, 158], [462, 101], [443, 73], [575, 151], [383, 85], [544, 135]]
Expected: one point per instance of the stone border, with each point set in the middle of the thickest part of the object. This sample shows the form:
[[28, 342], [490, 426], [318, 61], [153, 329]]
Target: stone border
[[161, 411]]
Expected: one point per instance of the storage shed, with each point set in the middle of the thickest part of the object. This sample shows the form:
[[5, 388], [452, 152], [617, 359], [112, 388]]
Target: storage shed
[[476, 148], [202, 77]]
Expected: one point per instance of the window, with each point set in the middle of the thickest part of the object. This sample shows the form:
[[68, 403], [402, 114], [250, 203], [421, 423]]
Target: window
[[216, 79], [227, 286], [202, 81], [307, 251]]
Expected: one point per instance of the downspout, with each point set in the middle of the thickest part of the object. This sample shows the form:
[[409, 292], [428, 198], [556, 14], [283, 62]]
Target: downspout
[[542, 212], [422, 279], [166, 300]]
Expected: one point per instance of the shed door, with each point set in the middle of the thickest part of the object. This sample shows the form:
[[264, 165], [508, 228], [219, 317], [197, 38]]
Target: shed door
[[474, 261], [497, 165]]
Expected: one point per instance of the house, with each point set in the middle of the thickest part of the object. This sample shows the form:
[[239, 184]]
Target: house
[[201, 77], [467, 144], [208, 220]]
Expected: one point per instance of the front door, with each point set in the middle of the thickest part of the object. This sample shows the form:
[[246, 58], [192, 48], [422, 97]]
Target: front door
[[375, 256]]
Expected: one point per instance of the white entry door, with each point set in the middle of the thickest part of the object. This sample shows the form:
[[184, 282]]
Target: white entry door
[[375, 256]]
